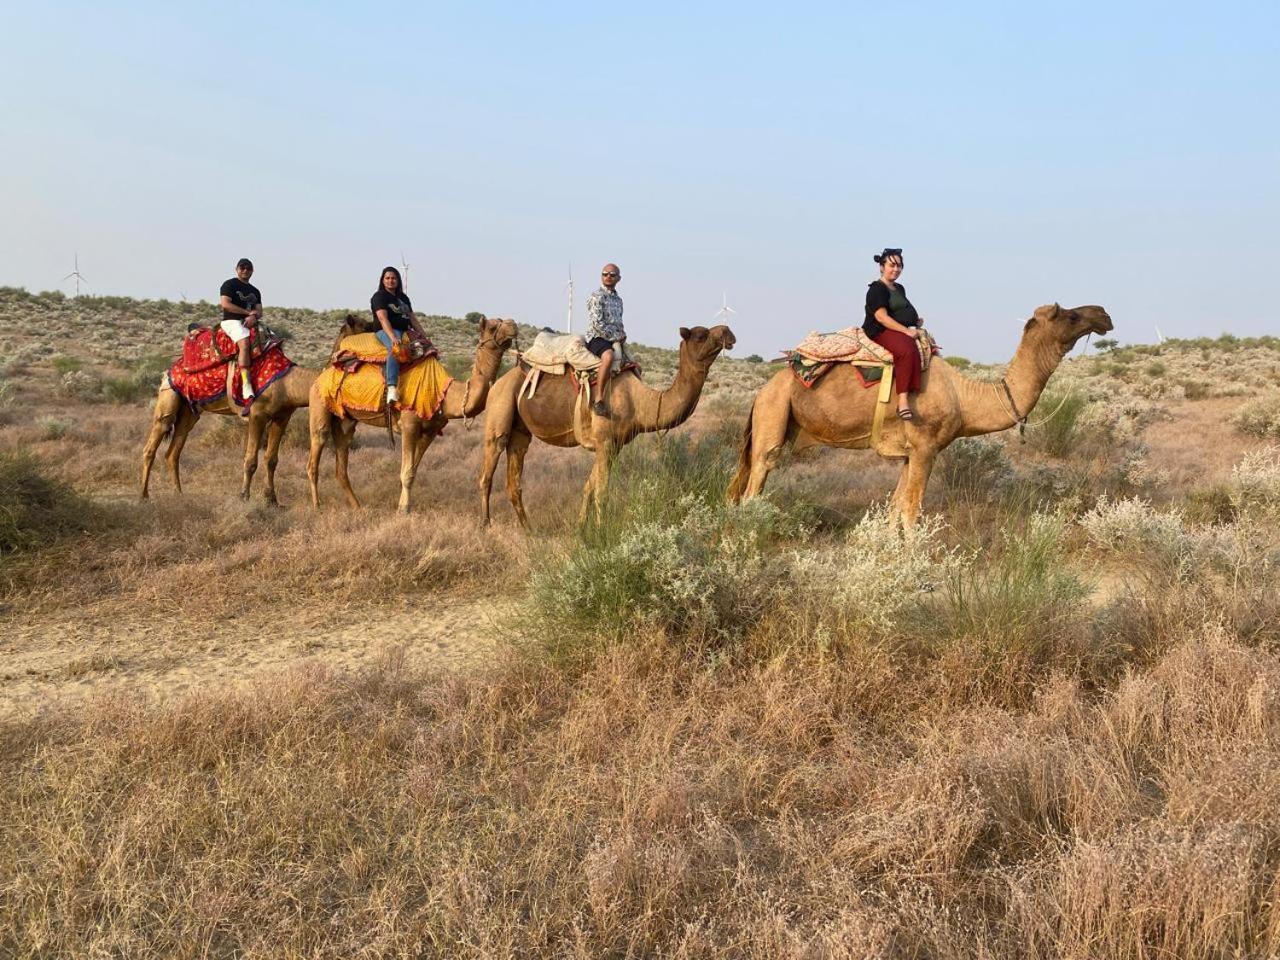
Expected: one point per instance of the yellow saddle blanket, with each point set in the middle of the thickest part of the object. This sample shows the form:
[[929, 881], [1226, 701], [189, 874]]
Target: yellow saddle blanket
[[361, 387]]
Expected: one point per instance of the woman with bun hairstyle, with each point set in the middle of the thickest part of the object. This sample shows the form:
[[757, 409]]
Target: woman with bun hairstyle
[[892, 322]]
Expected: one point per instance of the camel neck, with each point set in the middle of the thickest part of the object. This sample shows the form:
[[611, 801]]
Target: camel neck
[[986, 407], [664, 409]]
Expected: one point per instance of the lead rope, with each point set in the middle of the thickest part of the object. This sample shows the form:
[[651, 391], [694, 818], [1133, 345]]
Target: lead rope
[[1022, 421]]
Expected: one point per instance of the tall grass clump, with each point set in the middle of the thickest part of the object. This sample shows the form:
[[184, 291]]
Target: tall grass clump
[[141, 381], [1019, 601], [1059, 430], [974, 470], [35, 509]]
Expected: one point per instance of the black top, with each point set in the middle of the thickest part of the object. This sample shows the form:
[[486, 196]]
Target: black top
[[243, 295], [896, 302], [399, 309]]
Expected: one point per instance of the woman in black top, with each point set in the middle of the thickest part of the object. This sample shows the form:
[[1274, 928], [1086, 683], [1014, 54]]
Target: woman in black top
[[892, 322], [394, 313]]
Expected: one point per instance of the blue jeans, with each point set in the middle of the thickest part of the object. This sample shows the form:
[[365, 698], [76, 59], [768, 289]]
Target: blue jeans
[[393, 365]]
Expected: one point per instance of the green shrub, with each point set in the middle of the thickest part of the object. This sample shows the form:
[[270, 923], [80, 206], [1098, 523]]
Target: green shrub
[[35, 509], [64, 364], [960, 363], [140, 383], [974, 469], [1056, 418], [1155, 369]]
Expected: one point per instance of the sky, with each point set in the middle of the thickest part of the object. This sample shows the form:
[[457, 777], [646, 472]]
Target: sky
[[1120, 154]]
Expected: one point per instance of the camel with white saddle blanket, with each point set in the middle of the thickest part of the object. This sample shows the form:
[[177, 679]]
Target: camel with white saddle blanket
[[429, 399], [837, 411], [529, 402]]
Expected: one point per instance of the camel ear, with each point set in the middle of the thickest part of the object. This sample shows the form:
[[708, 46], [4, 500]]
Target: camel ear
[[684, 333], [1048, 312]]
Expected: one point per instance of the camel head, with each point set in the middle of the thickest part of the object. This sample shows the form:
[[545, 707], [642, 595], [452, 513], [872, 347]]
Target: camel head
[[702, 345], [499, 333], [1064, 326]]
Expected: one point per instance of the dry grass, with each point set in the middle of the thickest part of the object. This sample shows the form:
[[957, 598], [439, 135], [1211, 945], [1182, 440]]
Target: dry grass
[[1048, 725]]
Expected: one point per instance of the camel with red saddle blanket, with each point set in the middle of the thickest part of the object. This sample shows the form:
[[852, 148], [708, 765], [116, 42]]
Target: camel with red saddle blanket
[[352, 390], [836, 410], [558, 413], [202, 381]]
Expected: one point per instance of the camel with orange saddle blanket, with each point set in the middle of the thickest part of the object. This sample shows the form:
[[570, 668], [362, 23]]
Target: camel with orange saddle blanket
[[352, 390], [202, 380], [837, 411]]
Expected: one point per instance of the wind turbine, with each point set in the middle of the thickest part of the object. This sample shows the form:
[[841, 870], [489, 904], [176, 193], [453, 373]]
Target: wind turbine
[[76, 274], [405, 272], [569, 290], [1160, 337], [725, 311]]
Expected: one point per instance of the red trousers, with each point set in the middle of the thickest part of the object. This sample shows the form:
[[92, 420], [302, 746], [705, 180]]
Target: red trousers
[[906, 360]]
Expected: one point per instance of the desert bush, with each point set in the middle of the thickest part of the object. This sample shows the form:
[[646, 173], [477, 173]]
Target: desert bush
[[1155, 541], [974, 469], [865, 585], [1254, 486], [80, 385], [52, 428], [140, 383], [34, 508], [65, 364], [1260, 417]]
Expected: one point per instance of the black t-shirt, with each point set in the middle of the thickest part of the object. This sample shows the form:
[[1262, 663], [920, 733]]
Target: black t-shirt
[[399, 309], [243, 295], [899, 307]]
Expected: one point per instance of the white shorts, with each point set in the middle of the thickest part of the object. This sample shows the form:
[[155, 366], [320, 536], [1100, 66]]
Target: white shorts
[[236, 330]]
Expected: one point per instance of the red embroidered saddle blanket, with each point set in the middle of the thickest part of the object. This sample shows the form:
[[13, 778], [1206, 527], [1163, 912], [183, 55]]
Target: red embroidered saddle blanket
[[200, 374]]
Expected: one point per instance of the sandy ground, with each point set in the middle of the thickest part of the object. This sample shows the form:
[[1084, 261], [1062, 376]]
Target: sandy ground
[[71, 656]]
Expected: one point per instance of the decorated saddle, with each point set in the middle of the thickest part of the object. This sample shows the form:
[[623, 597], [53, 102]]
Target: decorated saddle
[[355, 381], [554, 353], [817, 353], [206, 369]]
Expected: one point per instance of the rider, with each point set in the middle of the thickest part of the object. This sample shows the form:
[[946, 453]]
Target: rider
[[394, 313], [241, 310], [604, 327], [892, 322]]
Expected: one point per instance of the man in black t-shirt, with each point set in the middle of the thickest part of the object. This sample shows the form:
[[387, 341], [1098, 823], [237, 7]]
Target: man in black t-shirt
[[241, 311]]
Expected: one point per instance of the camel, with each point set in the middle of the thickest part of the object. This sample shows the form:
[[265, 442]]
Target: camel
[[270, 414], [461, 400], [551, 416], [837, 411]]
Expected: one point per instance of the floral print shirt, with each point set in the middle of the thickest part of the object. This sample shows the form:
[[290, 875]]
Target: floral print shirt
[[604, 315]]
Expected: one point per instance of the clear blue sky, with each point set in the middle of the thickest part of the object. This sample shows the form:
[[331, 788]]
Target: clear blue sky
[[1127, 155]]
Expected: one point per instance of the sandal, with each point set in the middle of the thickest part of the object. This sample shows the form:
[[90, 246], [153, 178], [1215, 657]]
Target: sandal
[[906, 415]]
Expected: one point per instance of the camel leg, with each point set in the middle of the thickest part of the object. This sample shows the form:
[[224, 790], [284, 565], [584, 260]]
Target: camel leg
[[415, 437], [895, 501], [252, 444], [167, 410], [275, 434], [493, 447], [517, 447], [173, 456], [916, 476], [769, 436], [343, 432], [320, 427], [598, 481]]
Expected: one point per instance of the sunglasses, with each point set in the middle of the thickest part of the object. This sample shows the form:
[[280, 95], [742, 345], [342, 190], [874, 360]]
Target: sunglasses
[[610, 274]]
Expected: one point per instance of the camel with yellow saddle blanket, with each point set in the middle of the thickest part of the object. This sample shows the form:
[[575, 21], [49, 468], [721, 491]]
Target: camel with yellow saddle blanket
[[837, 411], [557, 410], [352, 390]]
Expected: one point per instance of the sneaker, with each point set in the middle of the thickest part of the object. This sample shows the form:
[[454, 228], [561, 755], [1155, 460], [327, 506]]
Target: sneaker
[[599, 409], [393, 395]]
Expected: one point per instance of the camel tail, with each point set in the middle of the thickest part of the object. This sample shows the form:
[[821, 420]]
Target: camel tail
[[738, 485]]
